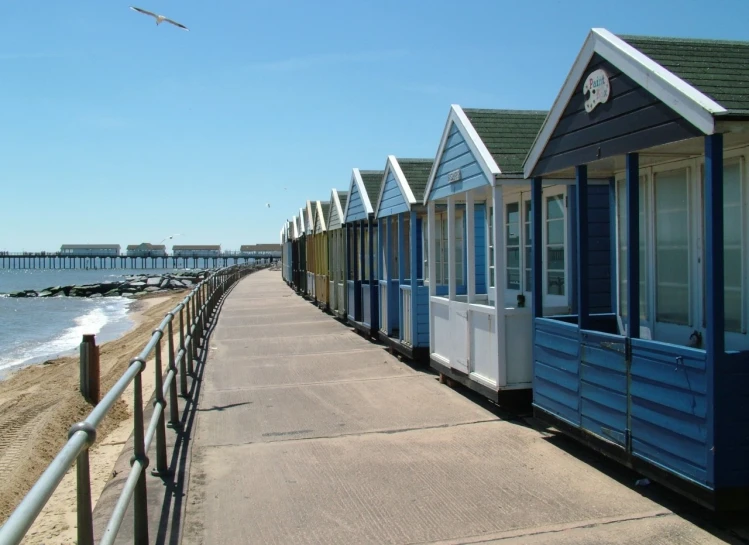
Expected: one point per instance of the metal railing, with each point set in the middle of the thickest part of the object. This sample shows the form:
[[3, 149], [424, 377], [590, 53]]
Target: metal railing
[[192, 315]]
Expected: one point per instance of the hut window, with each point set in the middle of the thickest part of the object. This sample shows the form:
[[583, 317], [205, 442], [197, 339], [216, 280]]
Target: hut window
[[512, 241], [672, 247], [406, 247], [732, 247], [555, 226], [621, 219], [528, 245], [441, 257]]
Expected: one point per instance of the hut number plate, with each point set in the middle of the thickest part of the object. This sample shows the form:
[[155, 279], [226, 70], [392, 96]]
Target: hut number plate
[[453, 176]]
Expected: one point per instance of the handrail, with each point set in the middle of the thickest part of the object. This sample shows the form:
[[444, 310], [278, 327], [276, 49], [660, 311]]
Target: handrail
[[198, 306]]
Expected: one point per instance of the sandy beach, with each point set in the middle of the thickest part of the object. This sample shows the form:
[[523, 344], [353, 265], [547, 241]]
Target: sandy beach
[[38, 404]]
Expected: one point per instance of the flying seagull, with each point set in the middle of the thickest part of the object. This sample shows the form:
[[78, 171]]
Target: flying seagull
[[159, 18], [267, 205], [170, 237]]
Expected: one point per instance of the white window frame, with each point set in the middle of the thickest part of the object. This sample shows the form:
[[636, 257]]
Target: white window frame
[[676, 333], [443, 260], [520, 195]]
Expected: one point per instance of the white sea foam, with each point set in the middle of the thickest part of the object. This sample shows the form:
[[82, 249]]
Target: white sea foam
[[107, 320]]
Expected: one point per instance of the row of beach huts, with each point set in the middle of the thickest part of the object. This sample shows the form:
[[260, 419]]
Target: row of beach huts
[[595, 253]]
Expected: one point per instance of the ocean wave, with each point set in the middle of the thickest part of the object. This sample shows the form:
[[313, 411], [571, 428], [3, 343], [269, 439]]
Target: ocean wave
[[108, 321]]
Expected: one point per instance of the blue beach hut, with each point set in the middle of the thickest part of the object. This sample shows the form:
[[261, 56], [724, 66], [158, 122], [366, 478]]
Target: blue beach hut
[[660, 383], [361, 237], [401, 216], [478, 251]]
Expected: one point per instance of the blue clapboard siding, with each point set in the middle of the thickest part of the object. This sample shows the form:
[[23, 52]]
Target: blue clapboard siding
[[603, 385], [393, 202], [556, 369], [599, 248], [421, 334], [669, 409], [356, 209], [480, 254], [731, 439], [456, 154]]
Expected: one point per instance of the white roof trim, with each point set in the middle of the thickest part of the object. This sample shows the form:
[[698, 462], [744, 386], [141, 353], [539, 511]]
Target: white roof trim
[[356, 179], [323, 222], [400, 178], [683, 98], [310, 226], [335, 204], [488, 165]]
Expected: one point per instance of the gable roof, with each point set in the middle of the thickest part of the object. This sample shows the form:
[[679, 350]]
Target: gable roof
[[368, 183], [372, 180], [717, 68], [343, 198], [321, 214], [499, 139], [411, 175], [691, 97]]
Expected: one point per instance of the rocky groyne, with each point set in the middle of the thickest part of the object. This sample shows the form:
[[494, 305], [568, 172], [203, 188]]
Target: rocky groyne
[[130, 286]]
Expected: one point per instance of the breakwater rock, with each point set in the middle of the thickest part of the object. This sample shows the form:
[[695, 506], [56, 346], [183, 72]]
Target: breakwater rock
[[130, 286]]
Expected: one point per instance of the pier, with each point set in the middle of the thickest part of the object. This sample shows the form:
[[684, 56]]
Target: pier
[[58, 260]]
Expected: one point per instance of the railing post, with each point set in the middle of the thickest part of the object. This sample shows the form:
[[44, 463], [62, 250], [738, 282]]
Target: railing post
[[182, 362], [89, 369], [140, 499], [83, 500], [190, 341], [173, 403], [161, 464]]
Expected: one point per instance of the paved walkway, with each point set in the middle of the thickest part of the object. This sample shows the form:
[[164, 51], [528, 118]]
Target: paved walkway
[[308, 434]]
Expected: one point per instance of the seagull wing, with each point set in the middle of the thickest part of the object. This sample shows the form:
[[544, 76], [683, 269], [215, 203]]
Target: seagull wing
[[144, 12], [175, 23]]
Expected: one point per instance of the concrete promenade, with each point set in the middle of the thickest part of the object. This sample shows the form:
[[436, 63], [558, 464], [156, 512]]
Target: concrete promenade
[[306, 433]]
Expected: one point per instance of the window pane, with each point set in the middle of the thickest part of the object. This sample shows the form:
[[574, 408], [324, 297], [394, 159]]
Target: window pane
[[513, 224], [732, 223], [407, 246], [671, 247], [555, 225], [528, 257]]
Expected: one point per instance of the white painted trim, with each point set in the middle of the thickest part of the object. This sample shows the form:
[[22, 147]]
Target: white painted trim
[[335, 204], [356, 179], [488, 166], [310, 226], [683, 98], [323, 223], [400, 178]]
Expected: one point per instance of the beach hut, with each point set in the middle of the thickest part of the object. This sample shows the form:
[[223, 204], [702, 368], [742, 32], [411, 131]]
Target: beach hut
[[286, 252], [301, 243], [661, 383], [309, 226], [320, 265], [337, 253], [401, 216], [478, 270], [361, 267]]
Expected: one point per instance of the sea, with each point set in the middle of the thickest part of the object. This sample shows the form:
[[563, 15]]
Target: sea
[[34, 330]]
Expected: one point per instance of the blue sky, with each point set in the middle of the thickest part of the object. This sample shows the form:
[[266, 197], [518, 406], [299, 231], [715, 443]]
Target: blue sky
[[114, 130]]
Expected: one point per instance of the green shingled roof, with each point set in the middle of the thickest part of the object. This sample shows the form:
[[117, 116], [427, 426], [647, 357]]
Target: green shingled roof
[[416, 172], [343, 197], [372, 181], [507, 134], [718, 68], [325, 210]]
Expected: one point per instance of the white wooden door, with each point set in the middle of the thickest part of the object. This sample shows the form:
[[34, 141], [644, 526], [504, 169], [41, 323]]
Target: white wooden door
[[459, 353]]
